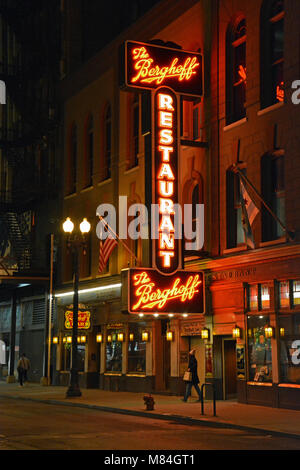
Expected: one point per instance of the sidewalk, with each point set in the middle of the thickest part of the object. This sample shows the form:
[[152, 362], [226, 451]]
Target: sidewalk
[[230, 414]]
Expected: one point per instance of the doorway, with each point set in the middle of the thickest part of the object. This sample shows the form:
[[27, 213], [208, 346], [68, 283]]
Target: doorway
[[229, 368]]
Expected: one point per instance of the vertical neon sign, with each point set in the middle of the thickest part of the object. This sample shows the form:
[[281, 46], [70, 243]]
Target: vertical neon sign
[[166, 246]]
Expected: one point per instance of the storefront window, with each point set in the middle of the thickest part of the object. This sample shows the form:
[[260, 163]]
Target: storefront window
[[253, 291], [289, 331], [136, 350], [284, 294], [113, 351], [265, 296], [67, 356], [296, 292], [259, 350]]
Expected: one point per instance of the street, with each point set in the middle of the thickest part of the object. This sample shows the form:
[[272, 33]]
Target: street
[[28, 425]]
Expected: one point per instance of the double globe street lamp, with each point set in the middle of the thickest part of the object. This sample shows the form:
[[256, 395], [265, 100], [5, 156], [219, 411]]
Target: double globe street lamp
[[75, 242]]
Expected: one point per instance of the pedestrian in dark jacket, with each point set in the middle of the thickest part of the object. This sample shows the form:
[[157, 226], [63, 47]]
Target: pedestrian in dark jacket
[[192, 367]]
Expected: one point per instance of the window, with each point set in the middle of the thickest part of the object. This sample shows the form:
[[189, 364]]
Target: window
[[289, 334], [89, 157], [234, 225], [236, 71], [136, 349], [259, 349], [273, 192], [258, 297], [192, 197], [107, 143], [113, 351], [284, 294], [265, 296], [272, 52], [134, 130], [253, 297], [296, 293], [73, 161]]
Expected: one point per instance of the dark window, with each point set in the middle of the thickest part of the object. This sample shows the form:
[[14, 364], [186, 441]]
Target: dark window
[[134, 130], [73, 160], [236, 71], [107, 150], [235, 232], [89, 152], [273, 192], [272, 53]]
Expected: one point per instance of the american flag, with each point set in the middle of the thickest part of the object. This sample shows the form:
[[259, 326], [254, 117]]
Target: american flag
[[105, 250]]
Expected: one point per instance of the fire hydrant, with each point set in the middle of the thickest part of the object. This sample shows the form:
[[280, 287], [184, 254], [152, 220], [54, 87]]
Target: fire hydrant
[[149, 402]]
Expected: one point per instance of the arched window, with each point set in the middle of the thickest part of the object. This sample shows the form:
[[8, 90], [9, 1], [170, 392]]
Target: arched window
[[273, 192], [107, 142], [89, 152], [272, 52], [72, 183], [236, 71]]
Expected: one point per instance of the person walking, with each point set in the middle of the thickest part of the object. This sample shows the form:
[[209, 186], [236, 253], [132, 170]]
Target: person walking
[[192, 367], [23, 368]]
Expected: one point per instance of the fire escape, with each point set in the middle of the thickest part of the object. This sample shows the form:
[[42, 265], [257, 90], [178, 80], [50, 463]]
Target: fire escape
[[29, 66]]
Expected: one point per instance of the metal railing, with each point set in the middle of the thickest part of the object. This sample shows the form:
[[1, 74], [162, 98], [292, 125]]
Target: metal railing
[[214, 397]]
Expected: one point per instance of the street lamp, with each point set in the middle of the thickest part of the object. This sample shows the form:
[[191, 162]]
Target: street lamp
[[74, 243]]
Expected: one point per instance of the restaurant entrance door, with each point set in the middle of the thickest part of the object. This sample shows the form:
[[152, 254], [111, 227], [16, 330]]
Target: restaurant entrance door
[[229, 368]]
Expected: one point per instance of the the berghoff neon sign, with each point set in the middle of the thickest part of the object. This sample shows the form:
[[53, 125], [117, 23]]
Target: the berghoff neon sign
[[148, 66], [149, 72], [150, 292]]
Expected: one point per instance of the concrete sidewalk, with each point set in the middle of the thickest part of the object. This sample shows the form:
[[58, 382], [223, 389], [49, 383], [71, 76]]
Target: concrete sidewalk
[[230, 414]]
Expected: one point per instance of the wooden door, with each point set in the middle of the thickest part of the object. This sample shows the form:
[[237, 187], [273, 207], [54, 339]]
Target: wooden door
[[229, 378]]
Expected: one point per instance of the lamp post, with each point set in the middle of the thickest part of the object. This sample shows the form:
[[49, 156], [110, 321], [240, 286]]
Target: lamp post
[[74, 243]]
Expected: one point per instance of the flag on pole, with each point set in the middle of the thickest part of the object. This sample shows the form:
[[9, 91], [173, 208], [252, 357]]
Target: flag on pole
[[249, 212], [106, 248]]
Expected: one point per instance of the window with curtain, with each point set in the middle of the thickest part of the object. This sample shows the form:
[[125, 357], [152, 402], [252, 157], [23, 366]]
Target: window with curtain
[[89, 161], [107, 143], [273, 192], [272, 52], [236, 71]]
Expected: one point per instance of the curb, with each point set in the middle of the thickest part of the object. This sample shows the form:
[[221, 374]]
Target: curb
[[166, 417]]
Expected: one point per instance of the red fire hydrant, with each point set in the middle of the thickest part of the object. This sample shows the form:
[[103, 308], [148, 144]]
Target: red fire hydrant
[[149, 402]]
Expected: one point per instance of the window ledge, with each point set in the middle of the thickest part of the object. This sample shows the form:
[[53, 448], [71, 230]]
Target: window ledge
[[114, 374], [132, 169], [278, 241], [88, 188], [104, 182], [289, 385], [271, 108], [235, 124], [228, 251], [70, 196], [136, 374], [264, 384]]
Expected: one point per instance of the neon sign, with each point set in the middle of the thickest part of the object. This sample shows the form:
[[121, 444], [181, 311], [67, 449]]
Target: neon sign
[[166, 247], [148, 66], [151, 292]]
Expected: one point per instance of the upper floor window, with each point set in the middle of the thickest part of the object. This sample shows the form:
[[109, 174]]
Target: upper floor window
[[273, 192], [107, 142], [89, 152], [272, 52], [134, 130], [72, 161], [236, 71], [235, 231]]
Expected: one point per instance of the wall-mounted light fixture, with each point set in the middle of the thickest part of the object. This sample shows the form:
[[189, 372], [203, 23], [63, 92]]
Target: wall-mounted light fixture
[[131, 337], [236, 332], [82, 339], [120, 337], [205, 333], [99, 338], [69, 339], [145, 336], [169, 336], [269, 331], [281, 331], [109, 338], [55, 340]]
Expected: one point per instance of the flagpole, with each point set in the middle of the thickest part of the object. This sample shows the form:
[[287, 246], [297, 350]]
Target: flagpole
[[235, 169], [117, 237]]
